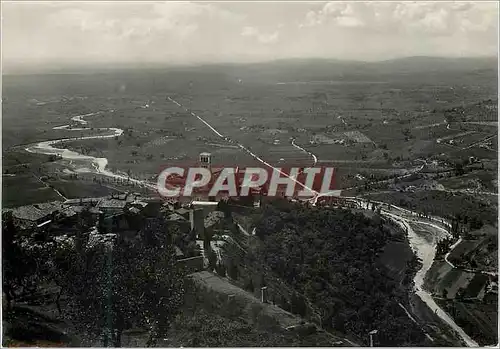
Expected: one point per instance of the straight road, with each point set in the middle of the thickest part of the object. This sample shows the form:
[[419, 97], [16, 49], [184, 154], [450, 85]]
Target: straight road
[[427, 254]]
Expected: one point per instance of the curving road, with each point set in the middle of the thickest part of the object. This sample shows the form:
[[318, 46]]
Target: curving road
[[400, 215], [426, 251], [241, 146], [315, 159], [426, 254]]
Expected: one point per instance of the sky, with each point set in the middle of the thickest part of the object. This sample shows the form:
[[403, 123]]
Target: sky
[[73, 32]]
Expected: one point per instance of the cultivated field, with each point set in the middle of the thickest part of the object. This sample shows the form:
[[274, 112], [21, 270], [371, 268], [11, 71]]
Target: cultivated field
[[358, 117]]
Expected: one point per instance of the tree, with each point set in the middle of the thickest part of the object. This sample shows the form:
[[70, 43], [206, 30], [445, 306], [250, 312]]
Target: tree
[[407, 133], [192, 249], [458, 168], [298, 305], [262, 280], [339, 322], [249, 285], [473, 263], [475, 223], [12, 265], [63, 258], [125, 284], [327, 261], [233, 270], [221, 269], [21, 269], [212, 259], [223, 206]]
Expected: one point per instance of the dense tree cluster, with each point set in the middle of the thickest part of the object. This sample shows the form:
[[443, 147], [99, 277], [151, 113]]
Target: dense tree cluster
[[21, 267], [105, 287], [135, 283], [481, 111], [466, 208], [443, 247], [331, 257]]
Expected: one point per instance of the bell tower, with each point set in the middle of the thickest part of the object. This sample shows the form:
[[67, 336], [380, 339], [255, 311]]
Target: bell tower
[[206, 160]]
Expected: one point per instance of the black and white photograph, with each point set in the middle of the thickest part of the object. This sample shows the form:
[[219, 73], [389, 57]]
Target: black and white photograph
[[249, 173]]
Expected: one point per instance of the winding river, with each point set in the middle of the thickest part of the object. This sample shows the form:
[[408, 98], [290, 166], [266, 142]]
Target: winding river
[[424, 249], [84, 163]]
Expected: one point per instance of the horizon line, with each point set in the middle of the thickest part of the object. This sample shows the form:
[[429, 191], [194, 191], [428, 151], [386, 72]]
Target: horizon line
[[66, 67]]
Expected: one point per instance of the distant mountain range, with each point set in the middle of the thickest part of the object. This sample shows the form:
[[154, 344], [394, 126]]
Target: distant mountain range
[[302, 66], [424, 63], [327, 69]]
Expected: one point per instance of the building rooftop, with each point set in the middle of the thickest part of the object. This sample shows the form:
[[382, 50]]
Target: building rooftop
[[37, 211], [176, 217], [79, 209], [112, 203], [134, 210], [178, 252], [29, 213], [213, 218], [81, 200], [182, 211], [69, 212], [204, 203], [139, 203]]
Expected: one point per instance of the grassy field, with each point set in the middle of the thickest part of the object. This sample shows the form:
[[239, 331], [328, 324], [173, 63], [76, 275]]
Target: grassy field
[[25, 189], [21, 179], [479, 253], [76, 189], [382, 112], [477, 319], [32, 178], [485, 180]]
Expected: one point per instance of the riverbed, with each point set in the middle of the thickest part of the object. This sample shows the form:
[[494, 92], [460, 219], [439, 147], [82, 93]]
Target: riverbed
[[84, 163], [426, 252], [423, 248]]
